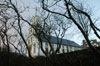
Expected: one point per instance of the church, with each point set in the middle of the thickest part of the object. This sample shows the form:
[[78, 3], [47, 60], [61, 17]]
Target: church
[[34, 45]]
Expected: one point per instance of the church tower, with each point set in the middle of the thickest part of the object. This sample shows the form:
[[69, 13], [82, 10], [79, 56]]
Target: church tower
[[32, 41], [35, 20]]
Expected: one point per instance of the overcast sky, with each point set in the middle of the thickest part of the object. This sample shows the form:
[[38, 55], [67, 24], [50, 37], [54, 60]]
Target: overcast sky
[[94, 4]]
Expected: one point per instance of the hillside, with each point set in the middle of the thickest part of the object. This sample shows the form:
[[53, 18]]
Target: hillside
[[14, 59], [78, 58]]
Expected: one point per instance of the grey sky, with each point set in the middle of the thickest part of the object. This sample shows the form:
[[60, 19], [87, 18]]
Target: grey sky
[[94, 4]]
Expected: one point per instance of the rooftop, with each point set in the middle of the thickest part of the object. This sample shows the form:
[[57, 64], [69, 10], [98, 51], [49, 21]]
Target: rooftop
[[64, 41]]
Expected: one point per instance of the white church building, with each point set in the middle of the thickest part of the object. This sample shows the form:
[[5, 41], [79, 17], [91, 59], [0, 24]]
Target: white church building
[[34, 46]]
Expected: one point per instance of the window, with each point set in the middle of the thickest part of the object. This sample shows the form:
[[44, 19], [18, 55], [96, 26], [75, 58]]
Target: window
[[31, 30], [46, 45], [59, 51], [28, 41], [67, 48], [70, 48], [63, 49], [0, 40], [46, 48], [31, 39], [30, 48], [53, 46], [34, 48]]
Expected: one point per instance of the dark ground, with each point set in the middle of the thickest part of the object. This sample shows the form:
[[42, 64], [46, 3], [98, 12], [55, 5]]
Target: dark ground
[[78, 58]]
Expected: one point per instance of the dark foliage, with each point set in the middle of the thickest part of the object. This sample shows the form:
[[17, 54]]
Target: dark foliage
[[14, 59], [84, 57]]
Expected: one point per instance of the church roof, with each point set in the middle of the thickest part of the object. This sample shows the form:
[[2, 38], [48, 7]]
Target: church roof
[[64, 41]]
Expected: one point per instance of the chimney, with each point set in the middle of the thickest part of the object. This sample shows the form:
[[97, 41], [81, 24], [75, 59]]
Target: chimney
[[84, 44]]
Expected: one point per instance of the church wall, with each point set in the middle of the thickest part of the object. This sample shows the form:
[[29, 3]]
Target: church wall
[[33, 40]]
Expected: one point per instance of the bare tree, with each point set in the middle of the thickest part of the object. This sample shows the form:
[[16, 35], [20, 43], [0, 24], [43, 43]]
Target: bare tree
[[11, 19], [69, 7], [51, 25]]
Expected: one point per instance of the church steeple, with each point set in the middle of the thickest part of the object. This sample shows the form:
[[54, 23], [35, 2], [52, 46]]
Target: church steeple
[[34, 21], [36, 10]]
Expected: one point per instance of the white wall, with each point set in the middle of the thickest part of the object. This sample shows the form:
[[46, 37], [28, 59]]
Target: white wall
[[39, 51]]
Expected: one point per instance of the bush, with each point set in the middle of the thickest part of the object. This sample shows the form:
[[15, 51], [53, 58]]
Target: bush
[[14, 59]]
